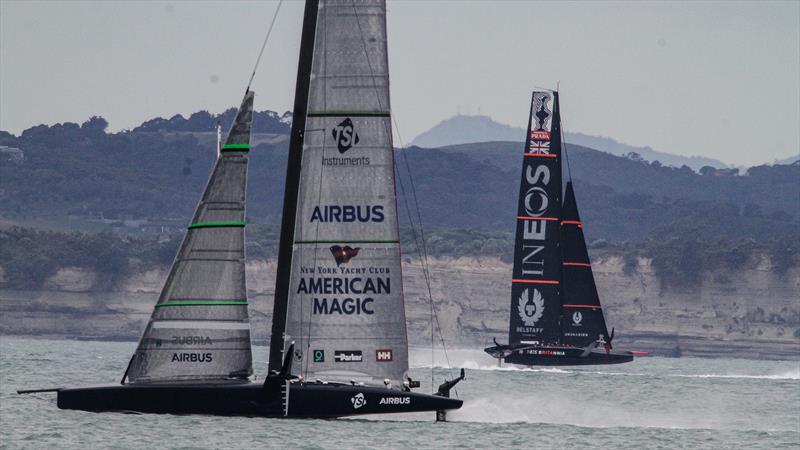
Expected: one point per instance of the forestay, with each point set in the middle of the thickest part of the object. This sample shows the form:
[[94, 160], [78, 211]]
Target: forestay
[[345, 308], [583, 321], [199, 329], [535, 297]]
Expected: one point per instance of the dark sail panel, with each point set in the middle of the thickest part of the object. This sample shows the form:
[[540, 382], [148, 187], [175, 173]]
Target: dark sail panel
[[583, 320], [199, 329], [535, 301]]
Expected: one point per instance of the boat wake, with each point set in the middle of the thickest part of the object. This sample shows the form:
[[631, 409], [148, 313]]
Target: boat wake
[[473, 360], [559, 408], [471, 365]]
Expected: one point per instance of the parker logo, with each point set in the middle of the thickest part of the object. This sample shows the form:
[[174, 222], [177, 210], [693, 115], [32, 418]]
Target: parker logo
[[319, 356], [395, 401], [345, 135], [348, 356], [531, 307], [577, 317], [383, 355], [358, 400], [343, 255]]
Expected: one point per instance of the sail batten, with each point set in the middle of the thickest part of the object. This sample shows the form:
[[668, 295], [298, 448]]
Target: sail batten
[[199, 329]]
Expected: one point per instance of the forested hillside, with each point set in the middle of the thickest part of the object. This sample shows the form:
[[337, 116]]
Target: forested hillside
[[140, 181]]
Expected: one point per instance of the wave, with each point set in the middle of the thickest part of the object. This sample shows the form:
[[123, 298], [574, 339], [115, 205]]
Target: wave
[[784, 375], [560, 407], [787, 375], [471, 359]]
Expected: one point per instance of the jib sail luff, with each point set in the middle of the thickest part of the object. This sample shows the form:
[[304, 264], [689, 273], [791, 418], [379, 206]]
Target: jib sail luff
[[535, 293], [582, 321], [199, 329]]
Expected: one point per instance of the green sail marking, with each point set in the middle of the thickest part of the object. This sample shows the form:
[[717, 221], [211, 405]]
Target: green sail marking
[[216, 224], [200, 303], [235, 147], [344, 241], [348, 113]]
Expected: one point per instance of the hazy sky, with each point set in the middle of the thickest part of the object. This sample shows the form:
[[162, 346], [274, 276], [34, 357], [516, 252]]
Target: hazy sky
[[718, 79]]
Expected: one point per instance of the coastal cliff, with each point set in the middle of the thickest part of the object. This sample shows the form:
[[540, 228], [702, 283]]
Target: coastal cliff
[[752, 312]]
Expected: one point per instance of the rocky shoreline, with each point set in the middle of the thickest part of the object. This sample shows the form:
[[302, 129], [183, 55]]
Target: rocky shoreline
[[753, 313]]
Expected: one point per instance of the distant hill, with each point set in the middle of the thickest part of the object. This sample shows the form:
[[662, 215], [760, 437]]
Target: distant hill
[[463, 129], [789, 160], [75, 175]]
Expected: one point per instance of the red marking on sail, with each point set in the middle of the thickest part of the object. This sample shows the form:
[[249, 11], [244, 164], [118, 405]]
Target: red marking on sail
[[536, 218], [582, 306], [543, 155], [515, 280], [577, 264], [571, 222]]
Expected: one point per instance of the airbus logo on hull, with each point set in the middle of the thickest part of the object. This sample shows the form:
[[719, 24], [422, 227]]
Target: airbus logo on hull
[[395, 401]]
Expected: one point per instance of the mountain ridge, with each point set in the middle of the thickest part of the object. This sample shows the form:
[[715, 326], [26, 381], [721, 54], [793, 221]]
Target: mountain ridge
[[464, 129]]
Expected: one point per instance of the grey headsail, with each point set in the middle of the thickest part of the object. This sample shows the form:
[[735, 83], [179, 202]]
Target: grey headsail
[[345, 308], [535, 293], [582, 322], [199, 329]]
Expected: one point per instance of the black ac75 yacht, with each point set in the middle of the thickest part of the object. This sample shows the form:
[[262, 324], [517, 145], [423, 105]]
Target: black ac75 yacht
[[556, 318], [338, 342]]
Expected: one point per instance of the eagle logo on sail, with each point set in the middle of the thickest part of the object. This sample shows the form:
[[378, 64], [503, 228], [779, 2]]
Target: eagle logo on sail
[[531, 307], [343, 255], [577, 317]]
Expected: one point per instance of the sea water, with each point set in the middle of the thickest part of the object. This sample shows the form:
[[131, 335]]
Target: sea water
[[650, 403]]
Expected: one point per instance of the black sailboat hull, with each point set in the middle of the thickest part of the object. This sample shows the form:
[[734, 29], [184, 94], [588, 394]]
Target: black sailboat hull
[[296, 400], [558, 356]]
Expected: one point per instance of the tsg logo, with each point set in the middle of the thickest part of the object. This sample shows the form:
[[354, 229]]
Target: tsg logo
[[358, 400], [577, 317], [345, 135], [531, 307]]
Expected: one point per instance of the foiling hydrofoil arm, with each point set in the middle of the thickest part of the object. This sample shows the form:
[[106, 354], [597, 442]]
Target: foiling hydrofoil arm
[[444, 391]]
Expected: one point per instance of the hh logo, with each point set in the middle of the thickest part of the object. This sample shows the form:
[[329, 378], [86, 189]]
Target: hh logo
[[345, 135], [358, 401], [383, 355], [319, 356]]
